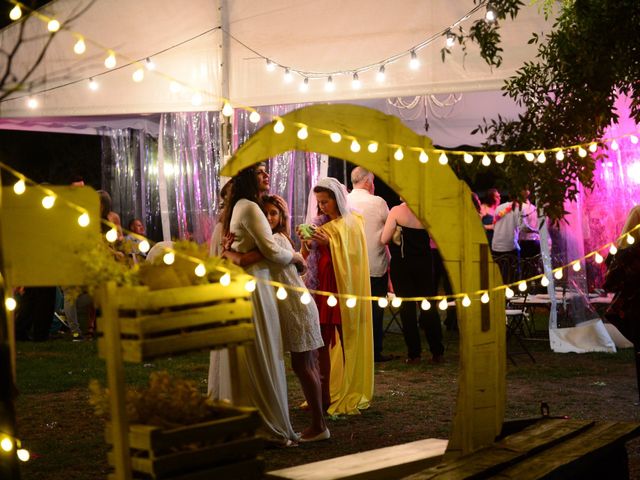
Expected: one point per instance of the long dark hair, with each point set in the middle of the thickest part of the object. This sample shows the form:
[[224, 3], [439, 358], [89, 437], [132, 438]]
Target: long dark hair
[[280, 203], [319, 189], [245, 185]]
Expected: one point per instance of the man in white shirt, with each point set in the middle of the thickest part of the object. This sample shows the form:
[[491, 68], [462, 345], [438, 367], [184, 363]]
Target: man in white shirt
[[374, 210], [528, 229]]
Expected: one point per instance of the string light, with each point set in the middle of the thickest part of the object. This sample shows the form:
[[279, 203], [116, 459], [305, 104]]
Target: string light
[[443, 304], [250, 286], [355, 146], [542, 157], [414, 63], [466, 301], [287, 77], [485, 297], [329, 86], [508, 293], [380, 76], [10, 303], [396, 302], [196, 99], [53, 25], [355, 82], [138, 75], [423, 157], [485, 160], [83, 219], [174, 87], [80, 47], [6, 444], [149, 64], [634, 139], [614, 145], [332, 301], [468, 158], [144, 246], [200, 270], [170, 257], [425, 305], [450, 39], [582, 152], [593, 147], [351, 302], [23, 455], [442, 159], [559, 155], [398, 154], [372, 147], [490, 15], [32, 103], [558, 274], [111, 235], [599, 258], [303, 133], [93, 85], [335, 137], [270, 66], [225, 280], [110, 61], [15, 13], [544, 281], [305, 298], [19, 187], [304, 85], [500, 158], [522, 286], [254, 117], [278, 127], [383, 302], [613, 250], [630, 239], [227, 109], [281, 294], [529, 156], [576, 267]]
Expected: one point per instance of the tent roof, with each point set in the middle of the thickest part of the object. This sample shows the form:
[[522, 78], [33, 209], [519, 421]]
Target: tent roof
[[313, 36]]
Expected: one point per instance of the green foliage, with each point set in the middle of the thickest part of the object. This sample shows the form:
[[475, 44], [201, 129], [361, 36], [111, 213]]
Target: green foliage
[[568, 91]]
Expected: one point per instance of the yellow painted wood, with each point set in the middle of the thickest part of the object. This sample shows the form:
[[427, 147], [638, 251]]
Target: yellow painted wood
[[40, 247], [379, 464], [443, 204]]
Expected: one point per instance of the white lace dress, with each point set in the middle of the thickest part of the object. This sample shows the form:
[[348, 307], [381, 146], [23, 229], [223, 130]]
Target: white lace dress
[[299, 323]]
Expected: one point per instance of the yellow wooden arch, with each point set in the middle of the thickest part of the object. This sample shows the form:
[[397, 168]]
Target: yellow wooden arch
[[443, 203]]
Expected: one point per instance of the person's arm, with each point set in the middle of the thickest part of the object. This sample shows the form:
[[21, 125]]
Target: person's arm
[[243, 259], [257, 226], [389, 228]]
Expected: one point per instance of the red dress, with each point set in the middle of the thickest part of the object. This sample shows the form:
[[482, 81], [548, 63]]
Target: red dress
[[329, 316]]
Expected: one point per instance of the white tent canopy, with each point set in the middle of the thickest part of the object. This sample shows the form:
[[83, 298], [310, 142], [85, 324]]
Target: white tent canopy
[[184, 42]]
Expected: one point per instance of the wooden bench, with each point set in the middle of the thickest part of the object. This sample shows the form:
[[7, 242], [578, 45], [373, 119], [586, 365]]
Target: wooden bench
[[551, 448], [379, 464]]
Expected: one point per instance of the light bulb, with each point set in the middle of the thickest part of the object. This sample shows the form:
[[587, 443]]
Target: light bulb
[[144, 246], [544, 281], [576, 267], [304, 85], [15, 13], [83, 219], [200, 270], [634, 139], [254, 117], [80, 47], [383, 302], [490, 15], [613, 250], [508, 293], [93, 85], [250, 286], [529, 156], [225, 280], [355, 146], [278, 127], [380, 76], [335, 137], [559, 155], [372, 147], [425, 304], [19, 187], [442, 159], [32, 103], [614, 145], [111, 235], [110, 61], [149, 64], [423, 157], [450, 40], [630, 239], [305, 298], [414, 63], [443, 304], [174, 87], [287, 77], [466, 301], [227, 109], [398, 155], [281, 294], [23, 454], [10, 303], [169, 257], [582, 152], [329, 86], [196, 99], [270, 66], [558, 274], [486, 161], [355, 82], [542, 157], [522, 286], [138, 75], [303, 133], [53, 25], [485, 297], [599, 258], [6, 444], [396, 302], [593, 147], [500, 158], [332, 301], [468, 158], [351, 302]]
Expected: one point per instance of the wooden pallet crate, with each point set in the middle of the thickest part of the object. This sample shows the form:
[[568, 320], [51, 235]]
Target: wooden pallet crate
[[226, 447], [177, 320]]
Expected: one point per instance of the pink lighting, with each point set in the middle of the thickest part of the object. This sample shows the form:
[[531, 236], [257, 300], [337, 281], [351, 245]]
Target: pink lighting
[[633, 172]]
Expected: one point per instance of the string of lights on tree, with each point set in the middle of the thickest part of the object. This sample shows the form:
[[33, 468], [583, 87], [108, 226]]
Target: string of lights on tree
[[305, 295]]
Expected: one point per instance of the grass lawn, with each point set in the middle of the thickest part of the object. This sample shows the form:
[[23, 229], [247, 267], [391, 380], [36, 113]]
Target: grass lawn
[[56, 422]]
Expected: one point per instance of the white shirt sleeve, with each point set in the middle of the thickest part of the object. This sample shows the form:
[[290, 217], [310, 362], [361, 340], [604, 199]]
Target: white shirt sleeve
[[256, 225]]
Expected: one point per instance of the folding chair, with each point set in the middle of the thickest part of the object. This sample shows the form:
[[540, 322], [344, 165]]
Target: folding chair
[[395, 319], [517, 318]]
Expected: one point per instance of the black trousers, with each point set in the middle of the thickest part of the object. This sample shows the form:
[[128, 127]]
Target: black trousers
[[379, 287], [35, 313]]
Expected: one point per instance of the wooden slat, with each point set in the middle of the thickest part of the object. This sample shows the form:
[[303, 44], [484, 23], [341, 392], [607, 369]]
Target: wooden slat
[[249, 469], [214, 315], [599, 438], [379, 464], [141, 298]]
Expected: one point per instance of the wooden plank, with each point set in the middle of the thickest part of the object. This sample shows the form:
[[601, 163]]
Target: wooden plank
[[214, 315], [379, 464], [247, 470], [135, 299], [512, 449], [595, 442]]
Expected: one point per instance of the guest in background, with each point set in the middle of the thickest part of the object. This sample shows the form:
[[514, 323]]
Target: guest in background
[[374, 211], [136, 227], [412, 276], [528, 228], [488, 210]]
